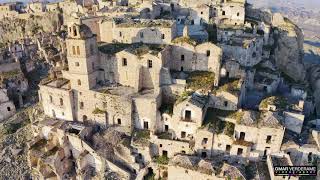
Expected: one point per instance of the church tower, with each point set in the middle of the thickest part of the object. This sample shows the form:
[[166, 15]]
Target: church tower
[[82, 57]]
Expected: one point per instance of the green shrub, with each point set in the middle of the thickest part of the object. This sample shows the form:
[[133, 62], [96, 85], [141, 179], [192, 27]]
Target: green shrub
[[162, 160], [14, 127], [200, 80]]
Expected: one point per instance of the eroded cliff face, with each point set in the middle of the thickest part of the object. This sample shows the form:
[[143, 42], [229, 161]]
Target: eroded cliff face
[[286, 39], [288, 52], [15, 28], [314, 80]]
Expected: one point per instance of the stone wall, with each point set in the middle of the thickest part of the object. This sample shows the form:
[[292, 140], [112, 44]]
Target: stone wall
[[109, 32], [50, 99], [229, 14], [294, 121]]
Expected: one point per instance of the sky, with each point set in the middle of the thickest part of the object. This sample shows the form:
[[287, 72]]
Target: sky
[[308, 4]]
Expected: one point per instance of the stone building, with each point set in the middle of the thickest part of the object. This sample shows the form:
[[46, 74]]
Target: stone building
[[10, 9], [192, 167], [246, 49], [12, 78], [240, 134], [52, 7], [65, 98], [36, 7], [229, 12], [140, 67], [7, 108], [134, 31], [229, 95], [57, 142], [187, 56], [279, 159]]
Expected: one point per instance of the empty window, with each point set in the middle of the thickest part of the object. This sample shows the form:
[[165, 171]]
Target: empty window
[[268, 139], [238, 14], [141, 34], [162, 36], [205, 141], [149, 63], [74, 31], [204, 154], [182, 57], [73, 50], [51, 99], [228, 148], [120, 34], [92, 64], [223, 13], [8, 108], [78, 50], [242, 135], [201, 12], [310, 158], [165, 153], [225, 103], [166, 127], [79, 82], [187, 115], [181, 69], [183, 152], [84, 118], [119, 121], [124, 62], [240, 151], [160, 145], [81, 105], [61, 101], [145, 125], [208, 53], [183, 134], [77, 64]]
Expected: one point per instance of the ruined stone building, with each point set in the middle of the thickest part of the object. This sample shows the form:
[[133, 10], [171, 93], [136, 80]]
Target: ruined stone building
[[7, 108], [10, 9], [134, 31]]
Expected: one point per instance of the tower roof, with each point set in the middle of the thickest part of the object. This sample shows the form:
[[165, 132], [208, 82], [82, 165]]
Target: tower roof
[[80, 31]]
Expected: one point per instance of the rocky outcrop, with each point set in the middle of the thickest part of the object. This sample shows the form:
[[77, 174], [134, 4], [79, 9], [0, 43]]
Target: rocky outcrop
[[288, 43], [15, 28], [314, 80]]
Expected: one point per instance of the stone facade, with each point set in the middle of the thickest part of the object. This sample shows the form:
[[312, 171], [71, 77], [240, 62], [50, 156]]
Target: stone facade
[[135, 31], [247, 50], [183, 56], [7, 108], [229, 13]]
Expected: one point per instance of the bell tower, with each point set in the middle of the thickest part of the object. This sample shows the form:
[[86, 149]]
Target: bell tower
[[82, 56]]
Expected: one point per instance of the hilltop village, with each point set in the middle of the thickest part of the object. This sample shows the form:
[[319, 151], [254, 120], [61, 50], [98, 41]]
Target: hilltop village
[[142, 89]]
